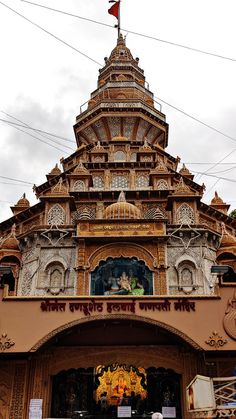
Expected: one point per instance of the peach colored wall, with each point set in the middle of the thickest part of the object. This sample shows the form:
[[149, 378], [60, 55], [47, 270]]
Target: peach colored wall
[[27, 325]]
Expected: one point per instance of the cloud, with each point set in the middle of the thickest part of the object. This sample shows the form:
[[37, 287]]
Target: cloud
[[27, 158]]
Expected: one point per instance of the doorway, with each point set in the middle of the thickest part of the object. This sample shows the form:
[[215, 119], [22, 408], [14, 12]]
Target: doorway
[[146, 390]]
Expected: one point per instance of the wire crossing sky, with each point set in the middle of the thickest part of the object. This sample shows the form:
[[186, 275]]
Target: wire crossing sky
[[44, 81]]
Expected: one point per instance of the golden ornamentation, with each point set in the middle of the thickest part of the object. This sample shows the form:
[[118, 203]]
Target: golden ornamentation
[[118, 250], [216, 341], [5, 342]]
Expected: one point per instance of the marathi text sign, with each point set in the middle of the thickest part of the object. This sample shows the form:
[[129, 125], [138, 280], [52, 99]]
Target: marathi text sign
[[93, 306], [35, 409], [124, 411]]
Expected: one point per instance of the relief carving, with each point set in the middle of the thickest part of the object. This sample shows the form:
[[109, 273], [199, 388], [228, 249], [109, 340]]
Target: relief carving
[[229, 320], [17, 402], [5, 342]]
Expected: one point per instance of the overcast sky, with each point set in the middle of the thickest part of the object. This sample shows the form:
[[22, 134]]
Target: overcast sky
[[43, 82]]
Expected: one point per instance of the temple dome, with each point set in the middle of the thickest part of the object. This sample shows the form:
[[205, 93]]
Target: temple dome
[[216, 200], [122, 210], [55, 171], [23, 202], [121, 53], [10, 242]]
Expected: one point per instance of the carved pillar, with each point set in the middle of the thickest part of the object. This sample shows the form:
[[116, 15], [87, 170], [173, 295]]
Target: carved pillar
[[107, 180], [18, 392], [81, 267], [99, 210], [156, 287], [132, 179], [6, 379], [161, 258], [162, 282]]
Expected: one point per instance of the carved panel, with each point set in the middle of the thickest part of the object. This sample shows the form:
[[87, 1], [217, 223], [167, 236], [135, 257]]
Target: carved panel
[[115, 126], [142, 128], [230, 318], [56, 215], [185, 215], [162, 185], [6, 378], [119, 250], [18, 394], [128, 126], [100, 129]]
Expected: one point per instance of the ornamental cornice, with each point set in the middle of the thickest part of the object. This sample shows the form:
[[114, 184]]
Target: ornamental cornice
[[122, 84], [134, 105]]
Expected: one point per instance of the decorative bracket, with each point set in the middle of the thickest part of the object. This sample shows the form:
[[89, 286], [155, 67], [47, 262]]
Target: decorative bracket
[[216, 341], [5, 342]]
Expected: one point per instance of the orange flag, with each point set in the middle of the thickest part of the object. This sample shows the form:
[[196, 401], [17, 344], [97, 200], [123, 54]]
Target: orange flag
[[114, 9]]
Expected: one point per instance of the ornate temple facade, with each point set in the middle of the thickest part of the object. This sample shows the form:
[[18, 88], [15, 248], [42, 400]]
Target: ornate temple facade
[[110, 282]]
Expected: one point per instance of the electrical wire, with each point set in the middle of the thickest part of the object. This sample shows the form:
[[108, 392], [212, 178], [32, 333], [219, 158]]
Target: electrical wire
[[132, 32], [51, 34], [39, 130], [207, 163], [12, 124], [222, 171], [172, 106], [15, 184], [218, 177], [16, 180], [197, 120], [212, 187]]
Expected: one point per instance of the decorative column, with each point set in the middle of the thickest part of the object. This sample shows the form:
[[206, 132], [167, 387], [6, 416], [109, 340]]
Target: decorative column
[[19, 392]]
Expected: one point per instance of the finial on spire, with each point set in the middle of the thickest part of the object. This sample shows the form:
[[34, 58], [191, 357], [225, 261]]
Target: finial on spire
[[115, 11]]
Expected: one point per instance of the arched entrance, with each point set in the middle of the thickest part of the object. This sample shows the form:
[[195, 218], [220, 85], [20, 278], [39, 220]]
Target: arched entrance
[[100, 390], [117, 356]]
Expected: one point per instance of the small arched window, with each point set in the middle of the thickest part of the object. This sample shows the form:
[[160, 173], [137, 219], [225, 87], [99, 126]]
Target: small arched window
[[142, 181], [79, 186], [133, 157], [162, 185], [185, 215], [187, 276], [56, 215], [120, 182], [98, 182], [9, 273], [56, 278], [119, 156]]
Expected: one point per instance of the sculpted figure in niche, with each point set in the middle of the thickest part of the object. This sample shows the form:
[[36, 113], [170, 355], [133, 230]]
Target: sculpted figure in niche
[[186, 277], [124, 282], [135, 284], [122, 276], [56, 276]]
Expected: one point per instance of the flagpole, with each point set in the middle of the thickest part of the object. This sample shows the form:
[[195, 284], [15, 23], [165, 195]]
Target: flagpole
[[119, 19]]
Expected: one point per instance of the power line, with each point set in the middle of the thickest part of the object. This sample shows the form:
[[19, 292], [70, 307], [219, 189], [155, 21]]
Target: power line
[[217, 177], [42, 135], [17, 180], [38, 130], [133, 32], [12, 124], [207, 163], [15, 184], [172, 106], [50, 33], [196, 119]]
